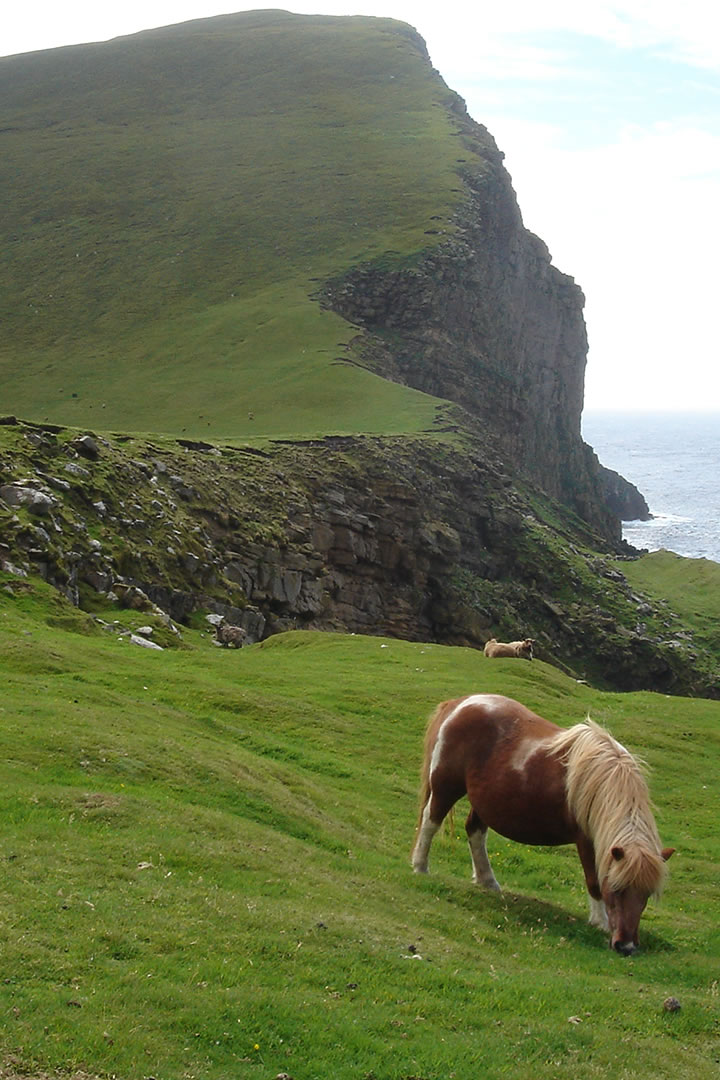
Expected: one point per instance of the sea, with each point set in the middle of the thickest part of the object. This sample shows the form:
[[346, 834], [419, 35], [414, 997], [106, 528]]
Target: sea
[[674, 459]]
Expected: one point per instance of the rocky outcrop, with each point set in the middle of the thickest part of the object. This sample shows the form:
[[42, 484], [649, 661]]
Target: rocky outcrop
[[406, 538], [623, 498], [488, 322], [26, 493]]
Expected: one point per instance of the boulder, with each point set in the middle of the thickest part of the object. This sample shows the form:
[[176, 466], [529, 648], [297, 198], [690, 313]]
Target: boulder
[[36, 501], [135, 639], [134, 598], [87, 447], [77, 470]]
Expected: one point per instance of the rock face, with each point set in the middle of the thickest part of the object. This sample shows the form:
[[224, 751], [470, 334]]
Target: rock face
[[416, 539], [487, 321], [38, 502], [623, 498]]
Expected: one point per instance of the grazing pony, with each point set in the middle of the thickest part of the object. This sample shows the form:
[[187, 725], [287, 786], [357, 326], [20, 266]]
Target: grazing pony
[[537, 783]]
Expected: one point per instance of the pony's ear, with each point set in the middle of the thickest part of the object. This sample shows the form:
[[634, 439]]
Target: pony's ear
[[667, 852], [617, 853]]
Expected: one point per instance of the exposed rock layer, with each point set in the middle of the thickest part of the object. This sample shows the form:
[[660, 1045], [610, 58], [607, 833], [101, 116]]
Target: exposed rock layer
[[417, 540], [487, 321], [623, 498]]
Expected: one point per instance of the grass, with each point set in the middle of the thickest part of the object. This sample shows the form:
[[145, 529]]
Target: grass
[[206, 870], [690, 586], [205, 852], [173, 200]]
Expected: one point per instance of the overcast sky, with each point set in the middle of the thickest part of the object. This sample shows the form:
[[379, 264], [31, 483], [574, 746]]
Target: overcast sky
[[609, 116]]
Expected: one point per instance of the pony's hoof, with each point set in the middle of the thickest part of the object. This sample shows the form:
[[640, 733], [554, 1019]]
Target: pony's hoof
[[491, 886]]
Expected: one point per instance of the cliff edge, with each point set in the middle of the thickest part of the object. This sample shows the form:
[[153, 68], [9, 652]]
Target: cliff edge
[[486, 320]]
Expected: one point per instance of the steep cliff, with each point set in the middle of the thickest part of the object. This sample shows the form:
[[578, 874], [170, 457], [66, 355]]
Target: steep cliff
[[185, 189], [486, 320]]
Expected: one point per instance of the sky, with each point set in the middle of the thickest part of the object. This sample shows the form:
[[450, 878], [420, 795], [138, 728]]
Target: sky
[[608, 112]]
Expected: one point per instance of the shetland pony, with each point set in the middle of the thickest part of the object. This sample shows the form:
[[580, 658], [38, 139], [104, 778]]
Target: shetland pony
[[524, 649], [537, 783]]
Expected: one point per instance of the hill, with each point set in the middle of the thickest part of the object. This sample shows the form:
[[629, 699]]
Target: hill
[[280, 247], [171, 199], [267, 225], [207, 869], [690, 586]]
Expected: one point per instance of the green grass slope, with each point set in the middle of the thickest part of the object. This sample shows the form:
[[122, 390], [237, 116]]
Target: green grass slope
[[171, 200], [206, 870], [690, 586]]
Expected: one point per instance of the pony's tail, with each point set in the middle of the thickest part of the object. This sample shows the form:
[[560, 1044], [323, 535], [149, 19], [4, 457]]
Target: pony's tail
[[431, 734], [430, 737]]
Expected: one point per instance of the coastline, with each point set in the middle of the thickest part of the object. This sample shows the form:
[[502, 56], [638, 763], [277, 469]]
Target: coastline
[[674, 460]]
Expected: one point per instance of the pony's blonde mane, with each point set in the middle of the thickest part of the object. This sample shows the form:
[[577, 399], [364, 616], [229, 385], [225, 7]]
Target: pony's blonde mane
[[608, 796]]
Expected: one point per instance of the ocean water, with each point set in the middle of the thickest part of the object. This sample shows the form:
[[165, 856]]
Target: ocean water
[[674, 459]]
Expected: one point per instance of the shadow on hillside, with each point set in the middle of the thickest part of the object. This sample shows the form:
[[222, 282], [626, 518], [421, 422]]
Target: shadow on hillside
[[551, 919], [529, 915]]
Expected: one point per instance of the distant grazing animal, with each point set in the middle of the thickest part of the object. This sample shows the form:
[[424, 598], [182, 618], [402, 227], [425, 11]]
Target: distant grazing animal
[[231, 636], [510, 648], [537, 783]]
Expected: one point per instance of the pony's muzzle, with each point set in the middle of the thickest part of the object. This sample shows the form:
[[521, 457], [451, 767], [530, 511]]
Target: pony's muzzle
[[625, 948]]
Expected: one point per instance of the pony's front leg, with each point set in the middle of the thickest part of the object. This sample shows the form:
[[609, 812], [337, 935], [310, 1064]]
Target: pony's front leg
[[477, 839], [598, 913]]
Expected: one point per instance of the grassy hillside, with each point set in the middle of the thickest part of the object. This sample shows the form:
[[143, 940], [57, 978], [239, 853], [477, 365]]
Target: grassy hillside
[[690, 586], [171, 200], [206, 870]]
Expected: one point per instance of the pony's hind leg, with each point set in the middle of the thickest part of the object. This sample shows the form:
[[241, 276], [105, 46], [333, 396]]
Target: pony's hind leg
[[426, 831], [477, 839], [433, 814]]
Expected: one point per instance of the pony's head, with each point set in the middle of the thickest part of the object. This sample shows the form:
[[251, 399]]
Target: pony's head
[[608, 796], [633, 876]]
